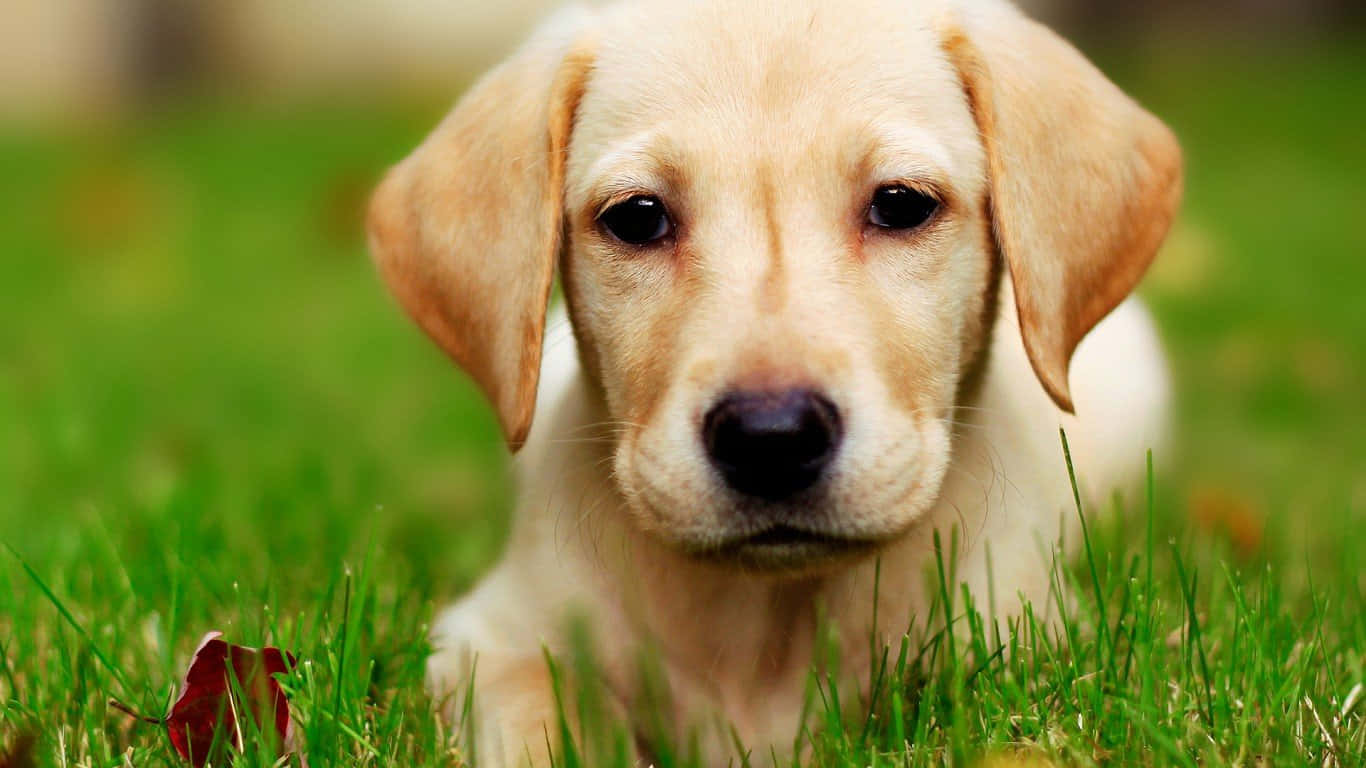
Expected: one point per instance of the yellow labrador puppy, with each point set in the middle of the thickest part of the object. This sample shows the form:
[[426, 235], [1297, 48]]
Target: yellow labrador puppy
[[828, 265]]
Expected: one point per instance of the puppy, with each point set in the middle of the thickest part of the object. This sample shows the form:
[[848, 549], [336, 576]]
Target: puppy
[[828, 266]]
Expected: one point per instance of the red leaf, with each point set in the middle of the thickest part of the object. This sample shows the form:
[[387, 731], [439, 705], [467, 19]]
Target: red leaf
[[226, 682], [20, 753]]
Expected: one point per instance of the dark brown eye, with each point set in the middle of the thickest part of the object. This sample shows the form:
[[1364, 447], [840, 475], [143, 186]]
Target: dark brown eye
[[900, 207], [641, 220]]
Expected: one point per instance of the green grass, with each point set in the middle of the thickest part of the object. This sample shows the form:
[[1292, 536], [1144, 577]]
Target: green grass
[[211, 417]]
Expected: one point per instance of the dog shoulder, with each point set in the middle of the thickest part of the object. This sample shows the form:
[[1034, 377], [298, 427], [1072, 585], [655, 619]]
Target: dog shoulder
[[1122, 393]]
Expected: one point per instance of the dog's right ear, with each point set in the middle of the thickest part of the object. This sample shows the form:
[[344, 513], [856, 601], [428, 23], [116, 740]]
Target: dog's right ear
[[467, 229]]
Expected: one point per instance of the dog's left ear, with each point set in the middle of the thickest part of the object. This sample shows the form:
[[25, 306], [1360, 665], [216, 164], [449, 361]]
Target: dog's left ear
[[468, 228], [1084, 182]]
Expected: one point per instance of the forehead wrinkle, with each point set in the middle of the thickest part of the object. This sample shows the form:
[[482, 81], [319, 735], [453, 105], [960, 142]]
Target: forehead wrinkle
[[642, 162], [906, 152]]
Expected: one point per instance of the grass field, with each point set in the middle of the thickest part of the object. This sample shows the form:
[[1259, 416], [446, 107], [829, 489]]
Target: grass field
[[211, 417]]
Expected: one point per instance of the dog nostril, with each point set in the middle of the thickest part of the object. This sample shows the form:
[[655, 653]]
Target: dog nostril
[[772, 444]]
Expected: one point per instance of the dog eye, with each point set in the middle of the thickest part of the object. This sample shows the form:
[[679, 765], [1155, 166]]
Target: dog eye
[[641, 220], [900, 207]]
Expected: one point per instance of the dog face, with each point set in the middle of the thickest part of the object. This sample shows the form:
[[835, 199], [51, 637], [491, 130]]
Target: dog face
[[780, 227], [780, 271]]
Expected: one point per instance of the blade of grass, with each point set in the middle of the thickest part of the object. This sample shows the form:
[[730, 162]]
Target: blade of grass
[[71, 620]]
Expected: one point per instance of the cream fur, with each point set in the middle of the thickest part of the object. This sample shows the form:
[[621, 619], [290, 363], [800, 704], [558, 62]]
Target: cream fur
[[765, 126]]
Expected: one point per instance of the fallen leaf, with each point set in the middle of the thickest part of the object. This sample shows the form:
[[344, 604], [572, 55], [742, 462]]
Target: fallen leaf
[[230, 692], [19, 754], [223, 682]]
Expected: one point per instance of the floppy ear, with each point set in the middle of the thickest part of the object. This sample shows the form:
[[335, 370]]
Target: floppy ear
[[467, 229], [1084, 182]]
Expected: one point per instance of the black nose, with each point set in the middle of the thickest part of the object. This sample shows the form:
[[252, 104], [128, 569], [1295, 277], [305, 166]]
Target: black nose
[[772, 444]]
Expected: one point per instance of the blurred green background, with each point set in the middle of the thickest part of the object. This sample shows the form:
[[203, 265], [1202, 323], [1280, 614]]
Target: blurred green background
[[196, 357]]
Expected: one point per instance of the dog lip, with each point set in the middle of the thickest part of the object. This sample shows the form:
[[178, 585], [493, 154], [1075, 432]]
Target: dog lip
[[786, 535], [784, 547]]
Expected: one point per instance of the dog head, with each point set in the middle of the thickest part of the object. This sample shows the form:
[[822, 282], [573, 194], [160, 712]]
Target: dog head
[[780, 227]]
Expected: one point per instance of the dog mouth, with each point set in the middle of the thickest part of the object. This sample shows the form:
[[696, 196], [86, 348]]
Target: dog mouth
[[785, 547]]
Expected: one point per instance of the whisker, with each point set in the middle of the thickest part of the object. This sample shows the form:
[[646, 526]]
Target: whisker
[[603, 440], [616, 423]]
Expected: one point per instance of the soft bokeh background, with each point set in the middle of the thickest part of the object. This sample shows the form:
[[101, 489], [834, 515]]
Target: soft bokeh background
[[196, 358], [187, 301]]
